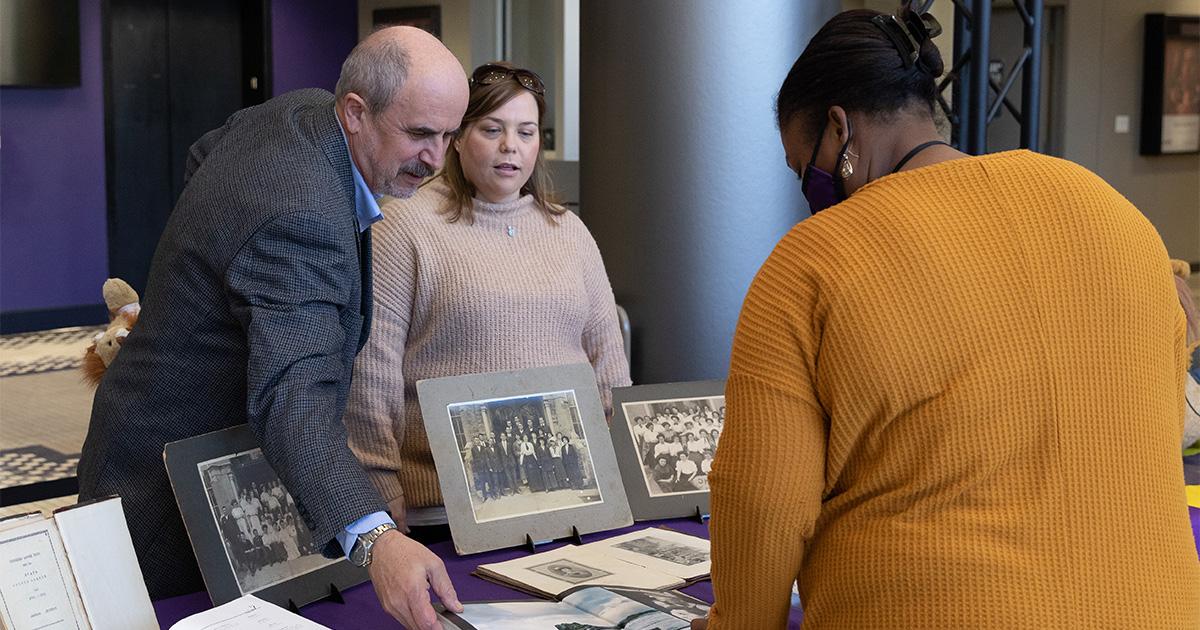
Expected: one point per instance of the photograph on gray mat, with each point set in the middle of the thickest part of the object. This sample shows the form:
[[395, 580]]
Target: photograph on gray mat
[[522, 453], [264, 538], [665, 437], [244, 526]]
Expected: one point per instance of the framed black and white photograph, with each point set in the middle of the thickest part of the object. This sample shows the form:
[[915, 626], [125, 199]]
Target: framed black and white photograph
[[245, 530], [522, 453], [665, 436], [265, 540]]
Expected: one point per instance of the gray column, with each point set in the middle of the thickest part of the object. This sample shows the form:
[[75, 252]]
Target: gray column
[[683, 180]]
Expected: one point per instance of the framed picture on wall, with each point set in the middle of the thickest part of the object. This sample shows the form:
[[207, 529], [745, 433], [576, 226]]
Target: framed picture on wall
[[427, 18], [522, 453], [1171, 85]]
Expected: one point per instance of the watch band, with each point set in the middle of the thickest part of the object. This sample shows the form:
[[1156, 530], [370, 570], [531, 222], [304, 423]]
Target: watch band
[[368, 539]]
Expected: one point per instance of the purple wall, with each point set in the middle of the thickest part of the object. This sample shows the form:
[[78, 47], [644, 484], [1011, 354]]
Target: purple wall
[[309, 40], [53, 205], [53, 236]]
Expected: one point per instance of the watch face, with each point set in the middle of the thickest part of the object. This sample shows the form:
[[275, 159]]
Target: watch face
[[358, 554]]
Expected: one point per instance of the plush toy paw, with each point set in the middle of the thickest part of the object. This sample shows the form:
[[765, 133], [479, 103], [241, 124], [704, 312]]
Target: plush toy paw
[[1191, 414], [123, 311]]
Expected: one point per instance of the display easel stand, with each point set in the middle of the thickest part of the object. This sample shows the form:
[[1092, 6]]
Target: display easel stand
[[335, 595], [698, 516], [531, 545]]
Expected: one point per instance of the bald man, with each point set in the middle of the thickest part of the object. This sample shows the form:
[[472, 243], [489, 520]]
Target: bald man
[[258, 300]]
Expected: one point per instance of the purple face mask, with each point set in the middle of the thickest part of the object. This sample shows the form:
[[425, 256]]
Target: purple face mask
[[820, 188]]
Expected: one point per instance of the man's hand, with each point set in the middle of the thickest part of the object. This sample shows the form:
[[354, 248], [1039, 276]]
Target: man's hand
[[700, 624], [402, 571]]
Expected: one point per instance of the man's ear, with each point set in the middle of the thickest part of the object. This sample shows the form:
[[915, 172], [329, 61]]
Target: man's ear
[[355, 109]]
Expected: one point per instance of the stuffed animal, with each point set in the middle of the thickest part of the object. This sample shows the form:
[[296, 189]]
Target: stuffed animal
[[123, 311], [1191, 412]]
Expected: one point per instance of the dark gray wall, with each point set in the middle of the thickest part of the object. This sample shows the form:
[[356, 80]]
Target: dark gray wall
[[683, 181]]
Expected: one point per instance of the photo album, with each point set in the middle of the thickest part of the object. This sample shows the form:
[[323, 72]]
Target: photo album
[[584, 608], [654, 558]]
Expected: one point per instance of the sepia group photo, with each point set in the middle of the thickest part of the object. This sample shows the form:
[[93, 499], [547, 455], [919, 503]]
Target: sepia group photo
[[675, 441], [264, 537], [524, 455]]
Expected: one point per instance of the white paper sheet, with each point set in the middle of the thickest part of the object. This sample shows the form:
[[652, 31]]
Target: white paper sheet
[[106, 569], [247, 613]]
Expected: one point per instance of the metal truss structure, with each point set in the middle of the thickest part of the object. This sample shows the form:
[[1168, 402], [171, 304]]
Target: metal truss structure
[[977, 97]]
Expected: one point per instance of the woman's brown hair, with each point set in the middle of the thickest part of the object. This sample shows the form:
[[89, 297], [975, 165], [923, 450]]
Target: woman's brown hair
[[486, 97]]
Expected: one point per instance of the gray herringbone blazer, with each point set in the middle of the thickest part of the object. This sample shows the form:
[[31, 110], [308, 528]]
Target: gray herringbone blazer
[[253, 313]]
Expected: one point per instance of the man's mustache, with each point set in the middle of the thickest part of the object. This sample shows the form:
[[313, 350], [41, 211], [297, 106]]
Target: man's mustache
[[417, 169]]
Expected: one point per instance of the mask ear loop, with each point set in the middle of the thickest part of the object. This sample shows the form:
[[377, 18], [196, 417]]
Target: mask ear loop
[[813, 158]]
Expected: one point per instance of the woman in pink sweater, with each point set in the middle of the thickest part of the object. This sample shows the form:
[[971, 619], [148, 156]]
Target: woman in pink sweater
[[477, 272]]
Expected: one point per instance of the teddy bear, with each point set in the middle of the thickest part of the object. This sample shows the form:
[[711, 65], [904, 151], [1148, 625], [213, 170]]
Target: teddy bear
[[1191, 412], [123, 310]]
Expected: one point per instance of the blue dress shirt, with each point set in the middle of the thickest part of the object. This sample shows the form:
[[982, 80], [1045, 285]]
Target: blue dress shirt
[[366, 210]]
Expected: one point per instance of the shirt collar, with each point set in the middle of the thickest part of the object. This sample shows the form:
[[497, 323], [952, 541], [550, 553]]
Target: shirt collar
[[366, 203]]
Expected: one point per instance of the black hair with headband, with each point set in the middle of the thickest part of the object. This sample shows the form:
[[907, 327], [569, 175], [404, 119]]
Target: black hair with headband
[[866, 62]]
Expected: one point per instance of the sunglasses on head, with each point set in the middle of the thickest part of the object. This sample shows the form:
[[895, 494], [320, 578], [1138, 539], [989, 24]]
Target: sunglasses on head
[[488, 74]]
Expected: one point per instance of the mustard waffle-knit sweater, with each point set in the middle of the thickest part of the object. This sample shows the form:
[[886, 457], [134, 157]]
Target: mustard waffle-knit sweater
[[513, 290], [955, 401]]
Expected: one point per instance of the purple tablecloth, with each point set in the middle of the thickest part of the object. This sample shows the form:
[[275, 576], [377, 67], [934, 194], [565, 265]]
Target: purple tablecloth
[[1195, 512], [362, 609]]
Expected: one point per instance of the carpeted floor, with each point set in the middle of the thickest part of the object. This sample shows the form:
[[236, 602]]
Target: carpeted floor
[[44, 409]]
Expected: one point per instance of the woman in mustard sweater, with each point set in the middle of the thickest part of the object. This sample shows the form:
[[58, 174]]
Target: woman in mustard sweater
[[956, 392]]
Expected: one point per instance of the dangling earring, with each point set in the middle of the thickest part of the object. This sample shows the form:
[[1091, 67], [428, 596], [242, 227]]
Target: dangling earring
[[847, 167]]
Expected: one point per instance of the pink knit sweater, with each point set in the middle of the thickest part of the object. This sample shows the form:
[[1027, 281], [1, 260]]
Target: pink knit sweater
[[516, 289]]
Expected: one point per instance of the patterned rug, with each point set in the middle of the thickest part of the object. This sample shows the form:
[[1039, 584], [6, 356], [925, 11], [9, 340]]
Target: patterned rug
[[44, 404], [44, 351], [30, 464]]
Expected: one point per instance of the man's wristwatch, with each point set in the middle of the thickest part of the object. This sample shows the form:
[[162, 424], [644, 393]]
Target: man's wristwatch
[[360, 553]]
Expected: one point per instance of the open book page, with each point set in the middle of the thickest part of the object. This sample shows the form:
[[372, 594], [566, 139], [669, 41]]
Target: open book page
[[552, 572], [681, 555], [674, 603], [522, 616], [106, 569], [247, 613], [37, 589], [17, 520], [587, 608], [621, 612]]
